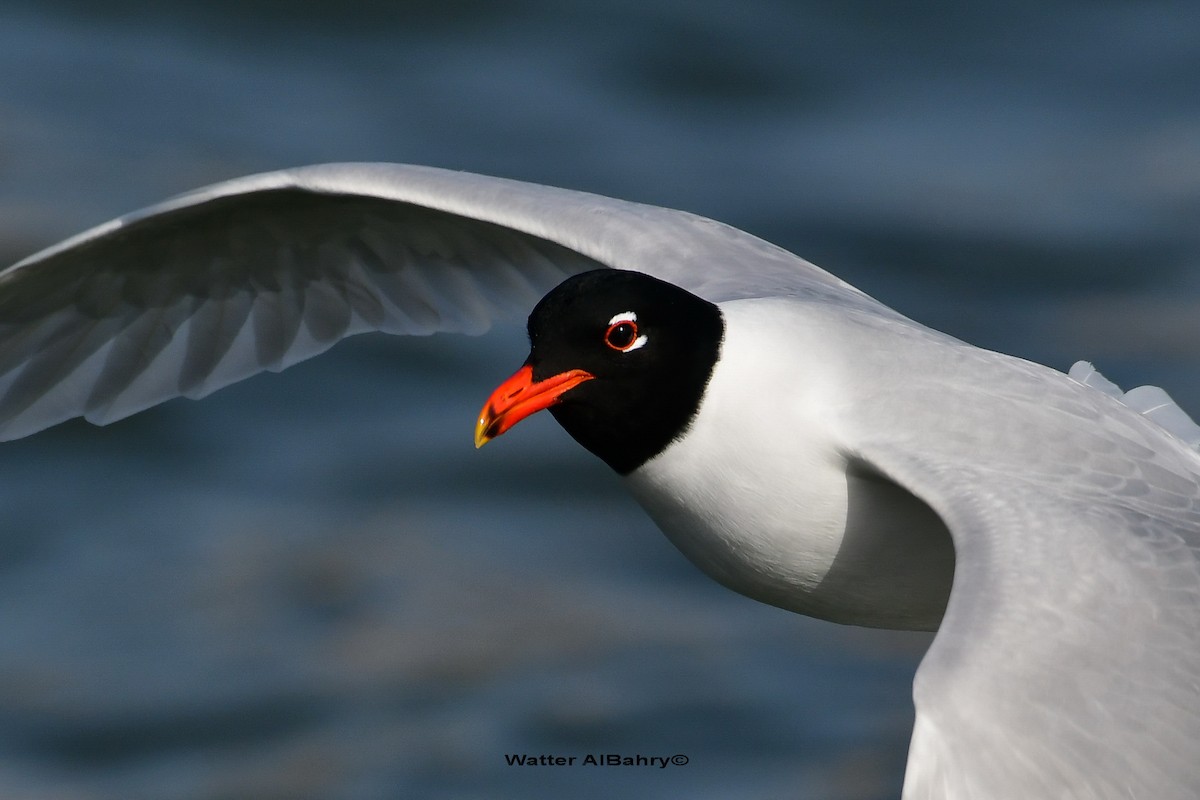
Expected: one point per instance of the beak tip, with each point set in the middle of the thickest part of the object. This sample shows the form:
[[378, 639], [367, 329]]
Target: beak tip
[[520, 396], [481, 432]]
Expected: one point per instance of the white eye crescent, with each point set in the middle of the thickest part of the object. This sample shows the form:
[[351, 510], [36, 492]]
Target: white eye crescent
[[623, 334]]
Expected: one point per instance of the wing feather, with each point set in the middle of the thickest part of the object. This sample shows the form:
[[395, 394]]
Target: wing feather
[[211, 332], [1068, 662], [278, 313], [262, 272], [134, 352]]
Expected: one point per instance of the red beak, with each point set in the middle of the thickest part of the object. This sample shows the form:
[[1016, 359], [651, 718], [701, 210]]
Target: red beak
[[520, 396]]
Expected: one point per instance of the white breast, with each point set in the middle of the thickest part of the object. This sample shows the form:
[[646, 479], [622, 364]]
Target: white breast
[[759, 494]]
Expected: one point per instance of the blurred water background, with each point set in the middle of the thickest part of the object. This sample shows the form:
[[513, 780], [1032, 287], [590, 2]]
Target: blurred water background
[[311, 586]]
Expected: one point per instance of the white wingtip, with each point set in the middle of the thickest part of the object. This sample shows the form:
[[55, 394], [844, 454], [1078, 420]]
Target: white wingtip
[[1149, 401]]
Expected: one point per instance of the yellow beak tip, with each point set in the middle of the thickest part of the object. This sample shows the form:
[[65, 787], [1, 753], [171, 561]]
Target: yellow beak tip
[[481, 433]]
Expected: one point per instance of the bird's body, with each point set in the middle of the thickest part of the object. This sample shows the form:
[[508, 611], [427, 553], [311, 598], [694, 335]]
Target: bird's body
[[733, 493], [799, 441]]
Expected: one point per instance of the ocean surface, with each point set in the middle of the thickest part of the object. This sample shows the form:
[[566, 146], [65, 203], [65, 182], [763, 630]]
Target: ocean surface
[[310, 585]]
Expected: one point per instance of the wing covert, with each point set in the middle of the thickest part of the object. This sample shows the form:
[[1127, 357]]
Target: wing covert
[[1068, 661], [261, 272]]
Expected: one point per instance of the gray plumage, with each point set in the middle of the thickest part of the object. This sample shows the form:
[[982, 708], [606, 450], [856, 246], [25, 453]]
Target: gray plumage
[[1067, 664]]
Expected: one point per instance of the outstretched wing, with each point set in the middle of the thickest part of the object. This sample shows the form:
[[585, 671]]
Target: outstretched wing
[[1068, 661], [261, 272]]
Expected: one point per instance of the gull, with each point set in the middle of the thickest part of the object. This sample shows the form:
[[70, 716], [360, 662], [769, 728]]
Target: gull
[[797, 440]]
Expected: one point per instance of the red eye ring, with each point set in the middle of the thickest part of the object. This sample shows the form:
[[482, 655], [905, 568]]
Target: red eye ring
[[622, 335]]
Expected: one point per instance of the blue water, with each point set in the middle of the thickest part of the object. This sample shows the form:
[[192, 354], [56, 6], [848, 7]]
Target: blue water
[[311, 586]]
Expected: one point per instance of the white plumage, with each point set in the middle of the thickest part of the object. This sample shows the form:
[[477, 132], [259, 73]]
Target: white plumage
[[837, 443]]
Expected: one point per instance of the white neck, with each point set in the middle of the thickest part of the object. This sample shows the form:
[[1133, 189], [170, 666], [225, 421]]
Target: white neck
[[762, 454]]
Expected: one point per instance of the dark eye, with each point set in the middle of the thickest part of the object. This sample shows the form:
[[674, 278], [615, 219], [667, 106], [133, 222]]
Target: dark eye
[[622, 335]]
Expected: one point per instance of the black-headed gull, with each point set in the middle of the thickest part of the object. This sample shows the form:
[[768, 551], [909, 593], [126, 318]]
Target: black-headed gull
[[800, 442]]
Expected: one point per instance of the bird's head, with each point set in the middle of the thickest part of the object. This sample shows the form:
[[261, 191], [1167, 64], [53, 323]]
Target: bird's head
[[621, 359]]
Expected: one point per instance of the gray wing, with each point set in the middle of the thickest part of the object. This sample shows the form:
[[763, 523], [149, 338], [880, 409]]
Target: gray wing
[[261, 272], [1068, 661]]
